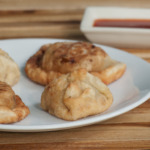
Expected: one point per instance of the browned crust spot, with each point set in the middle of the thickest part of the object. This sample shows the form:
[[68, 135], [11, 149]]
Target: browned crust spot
[[12, 109], [42, 76], [35, 72]]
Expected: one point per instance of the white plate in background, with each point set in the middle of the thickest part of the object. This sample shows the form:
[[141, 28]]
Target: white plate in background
[[129, 91], [116, 37]]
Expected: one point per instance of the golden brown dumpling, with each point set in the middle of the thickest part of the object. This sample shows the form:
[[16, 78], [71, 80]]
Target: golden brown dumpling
[[53, 60], [12, 109], [76, 95], [9, 70]]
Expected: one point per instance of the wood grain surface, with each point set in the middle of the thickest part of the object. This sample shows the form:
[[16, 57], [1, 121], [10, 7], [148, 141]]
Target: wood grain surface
[[48, 18], [61, 19]]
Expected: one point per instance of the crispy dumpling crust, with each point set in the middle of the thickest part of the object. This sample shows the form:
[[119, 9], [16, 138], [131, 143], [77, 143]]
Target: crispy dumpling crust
[[12, 109], [53, 60], [9, 70], [76, 95], [35, 72]]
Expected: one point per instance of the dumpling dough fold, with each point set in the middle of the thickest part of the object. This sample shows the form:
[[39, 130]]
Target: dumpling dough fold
[[9, 70], [76, 95], [53, 60], [12, 109]]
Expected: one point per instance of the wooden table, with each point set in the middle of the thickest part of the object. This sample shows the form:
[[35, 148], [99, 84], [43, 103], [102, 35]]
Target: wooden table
[[20, 19]]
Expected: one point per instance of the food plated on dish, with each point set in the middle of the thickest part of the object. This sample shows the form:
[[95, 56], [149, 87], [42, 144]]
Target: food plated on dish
[[128, 91], [12, 109], [76, 95], [9, 70], [53, 60], [60, 66], [75, 74]]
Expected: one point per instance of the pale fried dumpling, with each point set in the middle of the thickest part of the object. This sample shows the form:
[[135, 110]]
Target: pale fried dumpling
[[76, 95], [9, 70], [12, 109], [52, 60]]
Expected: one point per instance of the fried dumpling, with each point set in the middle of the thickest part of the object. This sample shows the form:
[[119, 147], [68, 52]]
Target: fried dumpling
[[76, 95], [12, 109], [9, 70], [53, 60]]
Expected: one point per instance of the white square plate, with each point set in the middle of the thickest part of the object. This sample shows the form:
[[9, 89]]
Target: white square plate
[[116, 37], [131, 90]]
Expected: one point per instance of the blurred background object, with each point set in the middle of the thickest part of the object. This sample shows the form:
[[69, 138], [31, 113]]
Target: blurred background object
[[121, 27], [50, 18]]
